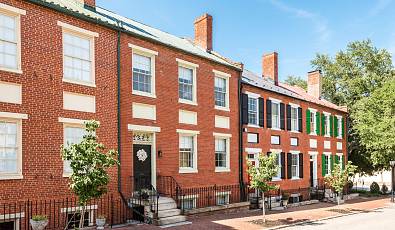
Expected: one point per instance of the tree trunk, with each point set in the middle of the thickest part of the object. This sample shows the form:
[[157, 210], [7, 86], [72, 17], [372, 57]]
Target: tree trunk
[[82, 217], [263, 207]]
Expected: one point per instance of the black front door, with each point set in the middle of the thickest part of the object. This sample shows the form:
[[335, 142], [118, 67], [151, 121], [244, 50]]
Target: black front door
[[141, 166], [311, 173]]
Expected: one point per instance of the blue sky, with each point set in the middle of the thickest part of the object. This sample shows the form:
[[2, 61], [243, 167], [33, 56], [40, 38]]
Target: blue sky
[[297, 30]]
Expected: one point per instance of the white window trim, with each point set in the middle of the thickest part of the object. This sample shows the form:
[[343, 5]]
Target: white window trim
[[295, 106], [339, 127], [327, 120], [226, 193], [297, 177], [341, 158], [256, 97], [14, 115], [66, 125], [329, 169], [19, 174], [89, 208], [193, 66], [144, 128], [16, 13], [227, 137], [194, 134], [253, 150], [13, 217], [152, 55], [190, 197], [277, 151], [85, 34], [276, 102], [71, 121], [313, 111], [225, 76]]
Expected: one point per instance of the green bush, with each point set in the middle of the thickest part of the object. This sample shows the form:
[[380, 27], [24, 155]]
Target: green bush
[[39, 218], [384, 189], [374, 188]]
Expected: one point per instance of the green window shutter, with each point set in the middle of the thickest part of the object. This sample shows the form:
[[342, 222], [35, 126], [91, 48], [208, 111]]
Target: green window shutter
[[331, 125], [335, 126], [322, 124], [323, 165], [317, 122], [344, 135], [308, 121], [336, 159]]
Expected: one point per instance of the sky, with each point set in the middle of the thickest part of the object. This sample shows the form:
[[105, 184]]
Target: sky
[[244, 30]]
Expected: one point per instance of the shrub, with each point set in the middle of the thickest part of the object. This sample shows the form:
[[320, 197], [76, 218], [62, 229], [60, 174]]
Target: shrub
[[384, 189], [39, 217], [374, 188]]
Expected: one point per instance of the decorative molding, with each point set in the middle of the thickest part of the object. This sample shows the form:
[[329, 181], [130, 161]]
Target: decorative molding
[[14, 115], [187, 63], [143, 128], [221, 74], [77, 29], [12, 9], [143, 50], [141, 137], [186, 131], [228, 135]]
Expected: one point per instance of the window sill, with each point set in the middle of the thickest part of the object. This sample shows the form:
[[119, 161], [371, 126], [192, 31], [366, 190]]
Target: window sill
[[276, 179], [183, 101], [339, 138], [328, 136], [313, 134], [93, 85], [17, 71], [253, 126], [295, 178], [222, 108], [294, 131], [11, 177], [276, 129], [66, 175], [187, 170], [219, 170], [144, 94]]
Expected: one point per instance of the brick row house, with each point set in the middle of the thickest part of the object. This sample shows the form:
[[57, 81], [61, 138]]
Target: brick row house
[[181, 115]]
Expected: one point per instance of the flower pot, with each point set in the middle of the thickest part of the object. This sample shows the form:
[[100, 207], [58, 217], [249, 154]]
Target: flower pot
[[100, 222], [38, 225]]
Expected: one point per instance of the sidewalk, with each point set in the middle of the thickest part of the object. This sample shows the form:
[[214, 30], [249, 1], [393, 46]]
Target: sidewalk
[[251, 219]]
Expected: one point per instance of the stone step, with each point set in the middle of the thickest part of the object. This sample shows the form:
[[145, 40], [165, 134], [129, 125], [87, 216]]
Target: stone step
[[169, 212], [167, 206], [171, 220], [165, 200], [176, 224]]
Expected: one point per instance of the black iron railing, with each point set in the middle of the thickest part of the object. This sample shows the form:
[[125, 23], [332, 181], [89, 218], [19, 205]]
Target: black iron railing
[[168, 186]]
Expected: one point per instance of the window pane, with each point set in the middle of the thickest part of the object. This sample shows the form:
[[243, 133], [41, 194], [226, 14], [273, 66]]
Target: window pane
[[8, 147], [185, 83], [220, 153], [220, 91], [186, 151], [275, 115], [73, 135], [252, 111], [142, 73], [294, 119], [294, 166]]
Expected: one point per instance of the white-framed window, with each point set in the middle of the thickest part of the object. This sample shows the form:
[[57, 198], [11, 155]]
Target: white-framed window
[[73, 134], [278, 160], [339, 127], [73, 215], [221, 90], [327, 124], [295, 165], [275, 115], [188, 202], [328, 164], [78, 55], [11, 220], [187, 82], [340, 157], [222, 198], [10, 148], [313, 126], [143, 70], [294, 119], [222, 152], [275, 140], [294, 141], [187, 151], [10, 38], [252, 111]]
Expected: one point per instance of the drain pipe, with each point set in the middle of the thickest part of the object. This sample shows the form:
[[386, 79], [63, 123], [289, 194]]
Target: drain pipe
[[119, 108], [241, 180]]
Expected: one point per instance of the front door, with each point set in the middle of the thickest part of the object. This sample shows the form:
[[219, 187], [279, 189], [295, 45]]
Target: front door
[[141, 166], [311, 173]]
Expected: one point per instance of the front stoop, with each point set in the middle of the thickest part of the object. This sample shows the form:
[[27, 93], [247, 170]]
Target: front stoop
[[168, 213]]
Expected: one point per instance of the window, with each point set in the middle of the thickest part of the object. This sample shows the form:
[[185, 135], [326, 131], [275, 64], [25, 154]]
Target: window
[[278, 158], [339, 127], [295, 166], [222, 154], [294, 119], [73, 134], [142, 75], [275, 140], [7, 225], [327, 125], [188, 153], [220, 91], [188, 203], [73, 220], [253, 137], [10, 38], [340, 157], [327, 164], [313, 127], [275, 115], [294, 141], [223, 198], [10, 148], [185, 81], [252, 111]]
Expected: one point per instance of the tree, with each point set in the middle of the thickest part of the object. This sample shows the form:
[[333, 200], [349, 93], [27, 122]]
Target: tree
[[339, 177], [374, 121], [262, 175], [296, 81], [350, 76], [89, 164]]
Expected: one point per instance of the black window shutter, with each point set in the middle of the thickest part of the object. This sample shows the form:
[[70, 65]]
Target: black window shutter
[[268, 113], [244, 106], [289, 164], [300, 116], [288, 117], [282, 165], [261, 112], [282, 116], [300, 165]]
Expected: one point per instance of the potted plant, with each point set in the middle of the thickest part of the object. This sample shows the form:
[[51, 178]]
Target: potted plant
[[284, 200], [100, 221], [39, 222], [144, 195]]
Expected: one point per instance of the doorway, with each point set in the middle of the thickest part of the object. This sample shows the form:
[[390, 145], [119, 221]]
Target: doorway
[[142, 166]]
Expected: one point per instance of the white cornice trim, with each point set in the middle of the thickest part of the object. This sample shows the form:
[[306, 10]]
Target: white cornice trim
[[144, 128], [78, 29], [14, 115]]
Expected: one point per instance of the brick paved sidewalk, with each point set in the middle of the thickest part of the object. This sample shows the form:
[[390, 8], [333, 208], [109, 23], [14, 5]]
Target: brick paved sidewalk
[[243, 219]]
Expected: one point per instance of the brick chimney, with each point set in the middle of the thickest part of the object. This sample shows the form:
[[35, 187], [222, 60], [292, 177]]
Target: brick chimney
[[270, 66], [314, 83], [90, 2], [204, 32]]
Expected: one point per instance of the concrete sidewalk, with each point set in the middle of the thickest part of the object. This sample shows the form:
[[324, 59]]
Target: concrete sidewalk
[[248, 219]]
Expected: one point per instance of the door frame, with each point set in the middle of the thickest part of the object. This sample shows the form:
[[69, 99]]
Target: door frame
[[313, 158], [150, 130]]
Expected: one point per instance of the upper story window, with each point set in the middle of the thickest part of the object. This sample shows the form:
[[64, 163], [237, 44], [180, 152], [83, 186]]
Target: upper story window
[[339, 127], [10, 38], [295, 165], [313, 126], [327, 124], [275, 115], [78, 55], [252, 111], [143, 68], [221, 90], [10, 154], [73, 134], [294, 119], [187, 82]]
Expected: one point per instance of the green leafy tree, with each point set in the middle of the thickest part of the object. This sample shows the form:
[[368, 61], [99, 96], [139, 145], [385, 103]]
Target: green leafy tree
[[351, 75], [89, 164], [339, 177], [374, 121], [296, 81], [261, 176]]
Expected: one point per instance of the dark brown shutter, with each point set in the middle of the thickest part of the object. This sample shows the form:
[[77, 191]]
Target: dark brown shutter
[[282, 116], [282, 165], [288, 117], [268, 113], [300, 117], [244, 108], [261, 112], [300, 165], [289, 165]]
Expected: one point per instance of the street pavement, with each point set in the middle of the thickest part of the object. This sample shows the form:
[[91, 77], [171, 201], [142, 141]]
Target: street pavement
[[376, 219]]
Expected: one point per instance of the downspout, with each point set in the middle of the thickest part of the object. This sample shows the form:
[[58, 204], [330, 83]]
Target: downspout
[[119, 109], [241, 180]]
